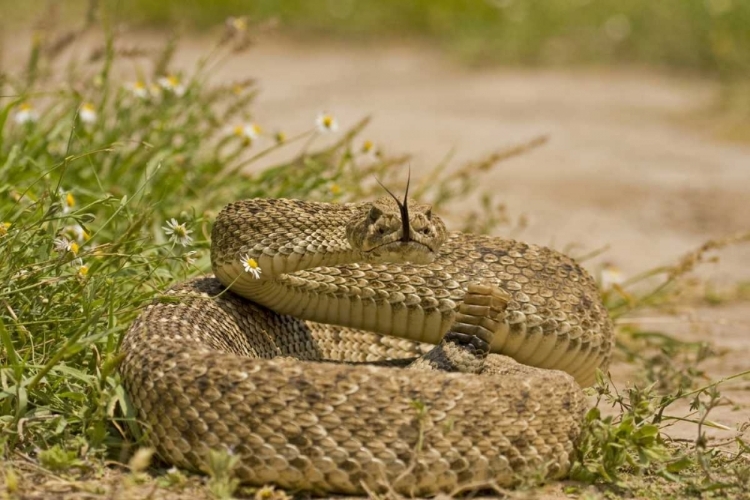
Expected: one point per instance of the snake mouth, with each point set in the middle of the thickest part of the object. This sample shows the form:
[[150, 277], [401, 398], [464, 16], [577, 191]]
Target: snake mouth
[[402, 251]]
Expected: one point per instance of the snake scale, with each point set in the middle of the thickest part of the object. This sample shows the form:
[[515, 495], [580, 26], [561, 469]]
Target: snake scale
[[357, 362]]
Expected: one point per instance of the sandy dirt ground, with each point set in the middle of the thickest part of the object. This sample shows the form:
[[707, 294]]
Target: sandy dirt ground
[[625, 166]]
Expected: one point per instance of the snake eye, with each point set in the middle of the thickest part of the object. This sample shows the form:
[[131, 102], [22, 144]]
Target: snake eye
[[374, 214], [428, 213]]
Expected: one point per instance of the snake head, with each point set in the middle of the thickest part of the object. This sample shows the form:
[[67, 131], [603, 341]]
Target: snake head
[[389, 230]]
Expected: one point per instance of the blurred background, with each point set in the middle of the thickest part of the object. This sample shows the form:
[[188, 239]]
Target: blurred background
[[701, 36]]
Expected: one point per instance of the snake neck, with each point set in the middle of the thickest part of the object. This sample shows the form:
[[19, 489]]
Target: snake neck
[[282, 236], [295, 248]]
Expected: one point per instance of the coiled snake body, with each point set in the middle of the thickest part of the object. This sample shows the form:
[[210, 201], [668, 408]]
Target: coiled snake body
[[362, 403]]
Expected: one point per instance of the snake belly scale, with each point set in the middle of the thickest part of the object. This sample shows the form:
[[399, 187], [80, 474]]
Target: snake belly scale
[[358, 361]]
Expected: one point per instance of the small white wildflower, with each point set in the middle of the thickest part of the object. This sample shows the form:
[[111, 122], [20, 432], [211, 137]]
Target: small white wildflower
[[368, 150], [138, 89], [76, 232], [83, 270], [22, 273], [189, 257], [67, 201], [64, 245], [247, 131], [611, 276], [269, 492], [326, 123], [251, 266], [178, 232], [237, 24], [87, 113], [25, 114], [171, 83]]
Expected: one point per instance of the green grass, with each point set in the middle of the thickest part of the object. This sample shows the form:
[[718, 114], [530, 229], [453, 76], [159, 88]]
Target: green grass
[[91, 173]]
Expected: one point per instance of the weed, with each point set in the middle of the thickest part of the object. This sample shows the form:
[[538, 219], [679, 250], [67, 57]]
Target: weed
[[628, 448], [56, 458], [222, 483]]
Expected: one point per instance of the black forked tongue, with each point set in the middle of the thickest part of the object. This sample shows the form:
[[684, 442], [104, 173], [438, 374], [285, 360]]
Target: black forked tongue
[[403, 207]]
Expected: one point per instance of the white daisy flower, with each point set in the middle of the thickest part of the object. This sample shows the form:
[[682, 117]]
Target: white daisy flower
[[138, 89], [326, 122], [25, 114], [610, 276], [67, 200], [64, 245], [83, 269], [247, 131], [190, 257], [20, 274], [237, 24], [178, 232], [171, 83], [251, 266], [87, 113], [76, 233], [368, 150]]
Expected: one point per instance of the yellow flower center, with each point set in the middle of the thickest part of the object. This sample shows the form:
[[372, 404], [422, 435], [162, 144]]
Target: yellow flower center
[[70, 200], [239, 23], [83, 270], [74, 247], [252, 264], [327, 121], [4, 228], [335, 189]]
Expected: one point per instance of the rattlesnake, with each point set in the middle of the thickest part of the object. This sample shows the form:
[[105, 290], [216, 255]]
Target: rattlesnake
[[334, 408]]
